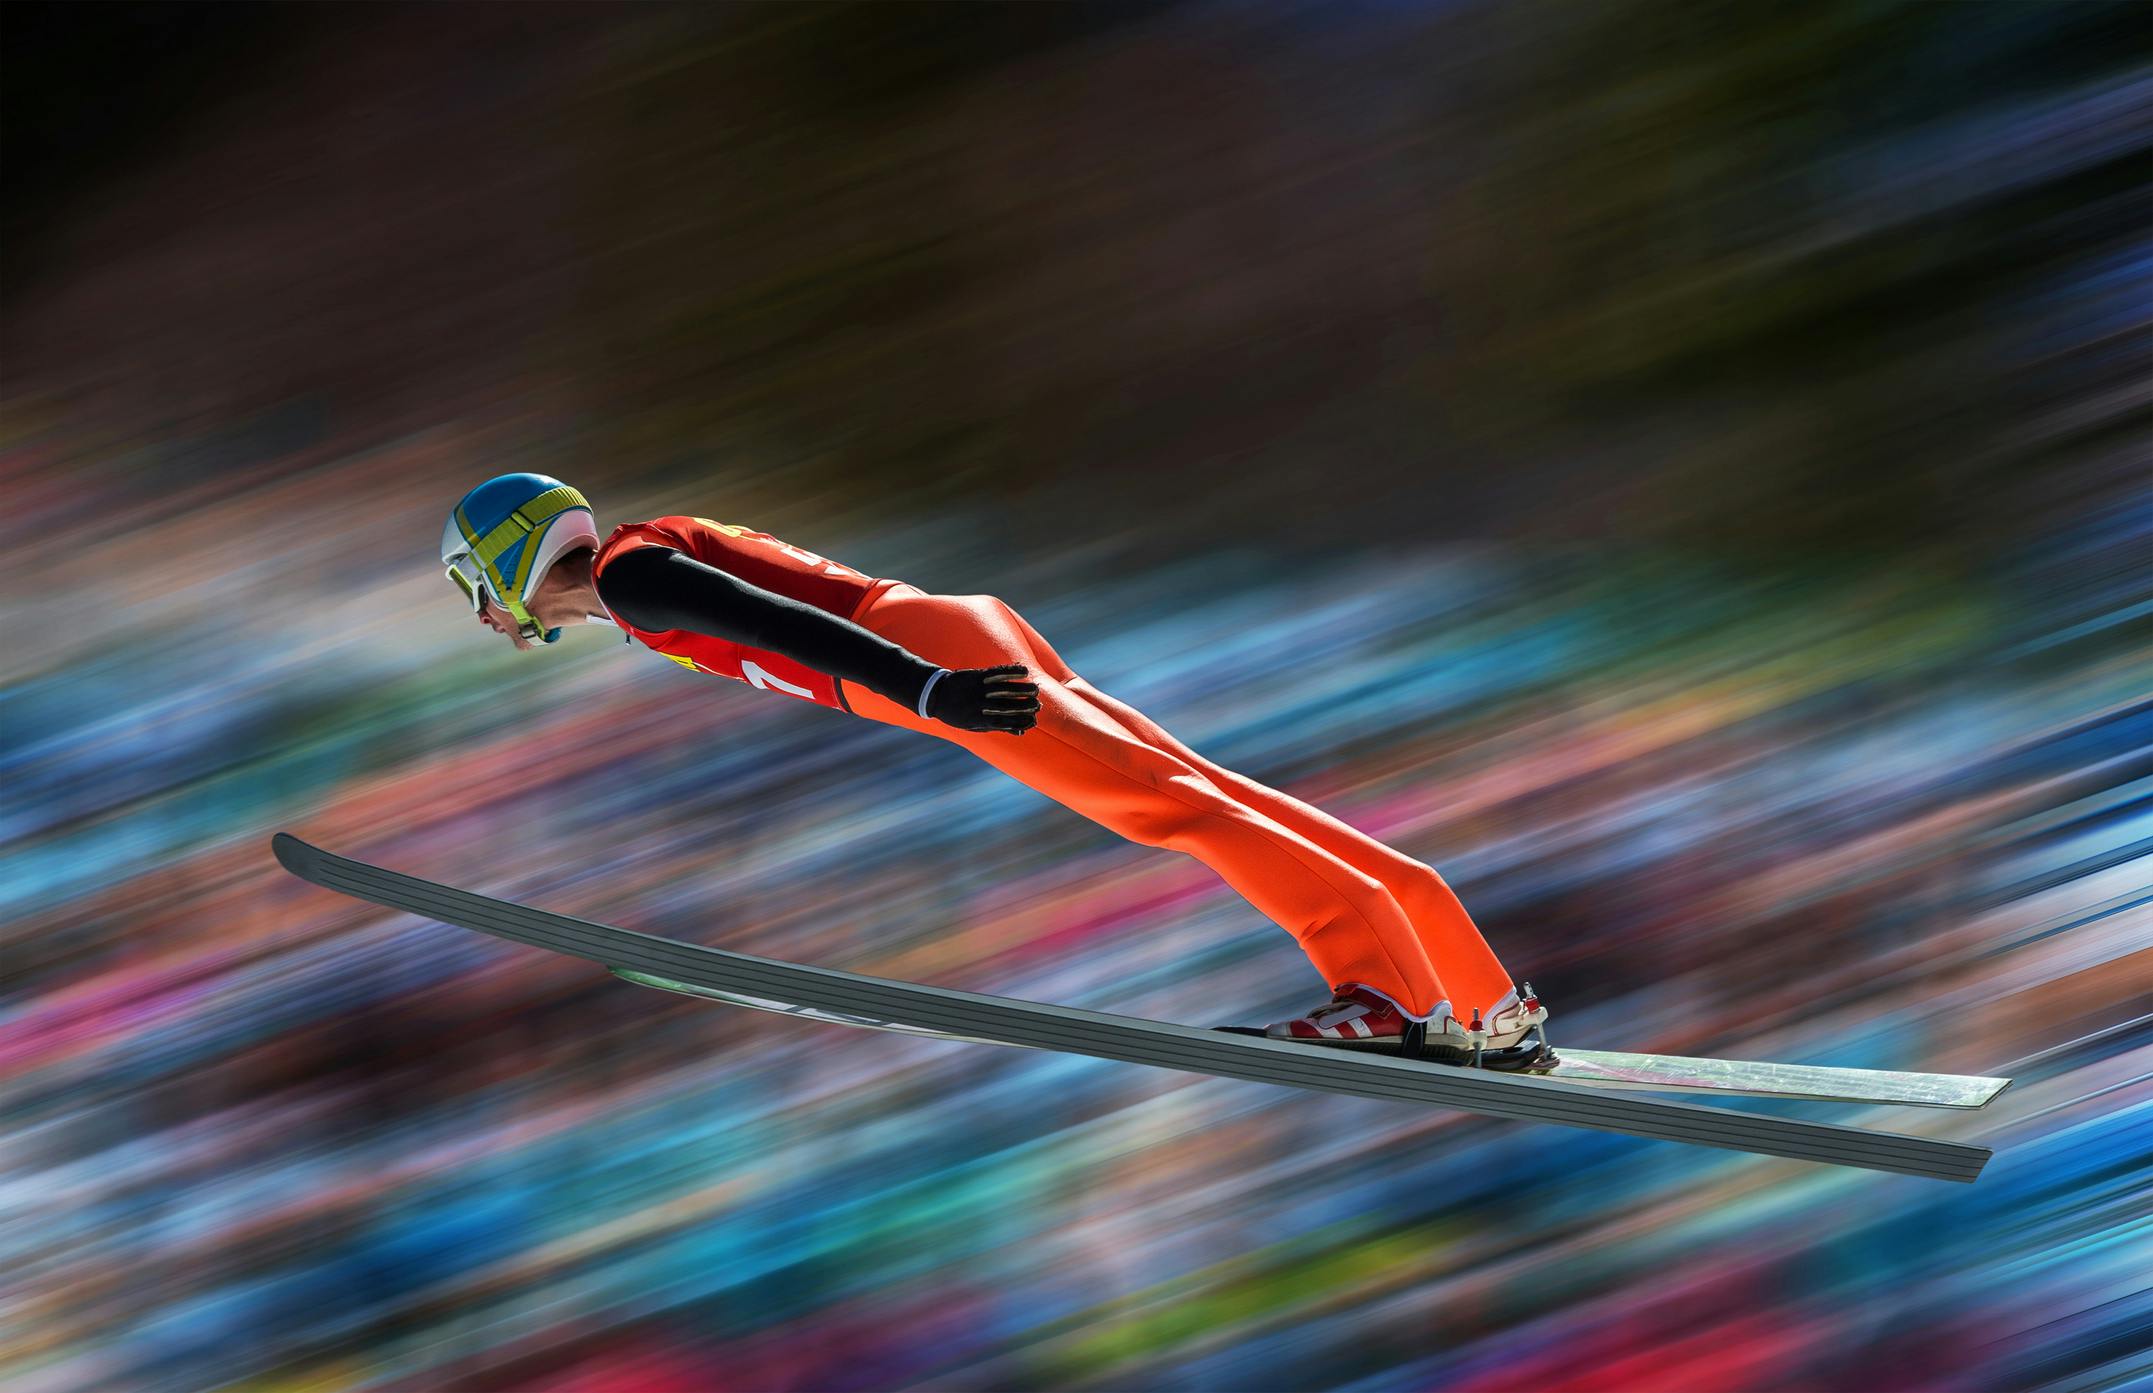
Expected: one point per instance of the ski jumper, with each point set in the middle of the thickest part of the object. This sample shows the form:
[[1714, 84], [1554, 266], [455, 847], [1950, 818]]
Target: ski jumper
[[1363, 912]]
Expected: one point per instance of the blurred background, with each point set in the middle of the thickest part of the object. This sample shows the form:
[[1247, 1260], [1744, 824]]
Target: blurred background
[[1680, 469]]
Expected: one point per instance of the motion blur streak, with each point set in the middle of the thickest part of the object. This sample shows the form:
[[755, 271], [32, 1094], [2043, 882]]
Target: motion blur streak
[[1681, 470]]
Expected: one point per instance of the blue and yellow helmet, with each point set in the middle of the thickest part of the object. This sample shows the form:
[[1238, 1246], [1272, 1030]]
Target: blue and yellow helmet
[[504, 536]]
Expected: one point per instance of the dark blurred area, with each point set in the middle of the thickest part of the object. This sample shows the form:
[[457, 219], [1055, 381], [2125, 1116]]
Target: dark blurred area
[[1682, 470], [1707, 274]]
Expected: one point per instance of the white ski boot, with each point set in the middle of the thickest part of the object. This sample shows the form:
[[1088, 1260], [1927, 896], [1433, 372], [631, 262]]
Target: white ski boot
[[1513, 1039]]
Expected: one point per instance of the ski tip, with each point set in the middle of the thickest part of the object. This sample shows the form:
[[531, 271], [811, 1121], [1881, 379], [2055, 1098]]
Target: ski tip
[[291, 853]]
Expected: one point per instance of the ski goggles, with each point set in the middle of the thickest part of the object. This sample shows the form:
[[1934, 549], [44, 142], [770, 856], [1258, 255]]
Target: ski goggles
[[465, 572]]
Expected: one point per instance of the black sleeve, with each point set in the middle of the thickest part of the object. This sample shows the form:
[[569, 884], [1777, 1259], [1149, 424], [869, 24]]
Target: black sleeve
[[658, 588]]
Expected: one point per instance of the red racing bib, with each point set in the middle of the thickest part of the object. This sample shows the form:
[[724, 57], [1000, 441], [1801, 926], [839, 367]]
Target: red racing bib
[[759, 559]]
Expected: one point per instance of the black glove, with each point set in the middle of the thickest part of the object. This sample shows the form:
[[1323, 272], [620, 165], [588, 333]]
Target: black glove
[[985, 698]]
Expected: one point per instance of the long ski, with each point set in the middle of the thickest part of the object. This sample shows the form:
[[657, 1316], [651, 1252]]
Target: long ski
[[1002, 1020]]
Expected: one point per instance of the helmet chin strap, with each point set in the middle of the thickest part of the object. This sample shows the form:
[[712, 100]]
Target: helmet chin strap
[[527, 624]]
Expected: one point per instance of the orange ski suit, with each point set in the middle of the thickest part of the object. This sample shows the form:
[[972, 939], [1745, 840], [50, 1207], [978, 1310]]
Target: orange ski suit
[[1363, 912]]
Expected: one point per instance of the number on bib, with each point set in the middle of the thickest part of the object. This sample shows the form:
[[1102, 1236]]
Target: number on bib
[[764, 681]]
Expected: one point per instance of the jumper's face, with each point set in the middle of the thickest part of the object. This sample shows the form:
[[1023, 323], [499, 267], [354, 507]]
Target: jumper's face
[[501, 621]]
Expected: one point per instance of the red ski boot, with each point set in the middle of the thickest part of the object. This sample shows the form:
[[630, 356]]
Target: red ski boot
[[1356, 1017], [1361, 1018]]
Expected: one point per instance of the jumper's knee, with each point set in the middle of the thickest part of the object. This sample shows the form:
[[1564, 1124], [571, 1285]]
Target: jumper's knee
[[1158, 823]]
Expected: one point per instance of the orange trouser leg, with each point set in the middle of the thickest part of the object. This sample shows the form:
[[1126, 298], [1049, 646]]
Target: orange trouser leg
[[1122, 775], [1472, 976]]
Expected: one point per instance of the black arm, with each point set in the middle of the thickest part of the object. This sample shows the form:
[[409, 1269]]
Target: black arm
[[658, 588]]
